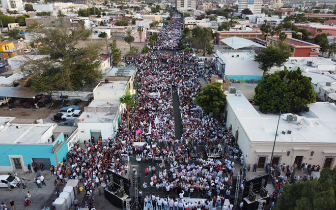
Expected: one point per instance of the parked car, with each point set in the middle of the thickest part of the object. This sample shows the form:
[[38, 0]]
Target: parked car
[[73, 102], [67, 123], [2, 65], [71, 111], [65, 117], [4, 179], [71, 106], [28, 50], [43, 102], [4, 101]]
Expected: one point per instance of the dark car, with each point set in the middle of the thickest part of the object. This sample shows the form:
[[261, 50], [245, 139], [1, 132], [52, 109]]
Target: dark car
[[67, 123], [28, 104], [58, 117], [73, 102], [43, 102]]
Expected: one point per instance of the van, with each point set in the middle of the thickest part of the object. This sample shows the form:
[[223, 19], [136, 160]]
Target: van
[[43, 102]]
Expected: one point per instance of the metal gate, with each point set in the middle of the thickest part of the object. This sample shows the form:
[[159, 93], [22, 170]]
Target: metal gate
[[96, 134], [45, 161]]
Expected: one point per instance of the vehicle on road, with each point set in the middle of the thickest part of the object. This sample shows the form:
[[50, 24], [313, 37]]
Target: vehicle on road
[[65, 117], [71, 111], [67, 123], [28, 50], [43, 102], [68, 107], [28, 104], [4, 179], [2, 65]]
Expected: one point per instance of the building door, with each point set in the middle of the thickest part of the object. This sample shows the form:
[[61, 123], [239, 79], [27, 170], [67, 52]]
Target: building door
[[261, 162], [96, 134], [275, 161], [237, 135], [328, 162], [298, 161], [17, 163], [45, 161]]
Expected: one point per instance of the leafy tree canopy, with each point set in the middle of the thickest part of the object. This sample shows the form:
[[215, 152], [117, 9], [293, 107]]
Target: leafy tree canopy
[[315, 194], [212, 98], [122, 23], [68, 67], [272, 56], [285, 91], [247, 11], [29, 7]]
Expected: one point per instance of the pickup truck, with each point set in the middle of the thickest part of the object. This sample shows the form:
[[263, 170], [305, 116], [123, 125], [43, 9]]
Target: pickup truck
[[65, 117], [71, 111]]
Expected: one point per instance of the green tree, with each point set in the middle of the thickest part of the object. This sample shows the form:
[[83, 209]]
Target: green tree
[[322, 40], [187, 49], [272, 56], [247, 11], [213, 18], [83, 13], [282, 36], [102, 35], [186, 14], [153, 38], [154, 24], [13, 33], [140, 30], [21, 20], [331, 49], [211, 98], [29, 7], [129, 102], [121, 23], [285, 91], [6, 19], [202, 16], [95, 11], [129, 38], [210, 49], [145, 49], [116, 55], [314, 194], [43, 13], [67, 67]]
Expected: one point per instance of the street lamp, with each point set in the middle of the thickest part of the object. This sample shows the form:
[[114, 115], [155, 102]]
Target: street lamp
[[276, 133]]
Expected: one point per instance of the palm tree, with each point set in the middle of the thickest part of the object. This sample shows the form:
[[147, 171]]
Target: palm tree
[[331, 49], [265, 29], [282, 36], [140, 30], [129, 102], [129, 38]]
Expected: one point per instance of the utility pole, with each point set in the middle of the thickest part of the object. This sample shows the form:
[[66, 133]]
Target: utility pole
[[276, 133]]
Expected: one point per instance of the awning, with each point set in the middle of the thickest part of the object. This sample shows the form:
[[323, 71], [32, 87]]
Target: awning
[[17, 92]]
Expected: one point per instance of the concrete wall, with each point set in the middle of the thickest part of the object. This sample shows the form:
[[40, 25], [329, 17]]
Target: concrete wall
[[107, 94], [27, 152], [84, 130]]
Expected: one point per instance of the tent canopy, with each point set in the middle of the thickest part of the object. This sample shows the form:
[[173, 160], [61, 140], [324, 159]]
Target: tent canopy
[[238, 43]]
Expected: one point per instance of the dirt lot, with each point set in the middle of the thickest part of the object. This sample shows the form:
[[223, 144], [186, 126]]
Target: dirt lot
[[122, 45], [24, 115]]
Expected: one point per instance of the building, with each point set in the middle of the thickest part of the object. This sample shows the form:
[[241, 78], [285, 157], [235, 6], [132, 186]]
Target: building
[[103, 115], [253, 5], [276, 4], [12, 26], [252, 35], [321, 16], [316, 28], [238, 65], [298, 47], [99, 30], [43, 7], [182, 5], [8, 50], [308, 138], [23, 144], [12, 4]]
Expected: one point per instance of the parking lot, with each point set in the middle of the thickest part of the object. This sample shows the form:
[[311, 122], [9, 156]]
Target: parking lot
[[29, 115]]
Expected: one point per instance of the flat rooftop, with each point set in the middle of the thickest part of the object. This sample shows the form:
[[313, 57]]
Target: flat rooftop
[[239, 63], [112, 85], [122, 71], [316, 126], [97, 117], [96, 103], [24, 133]]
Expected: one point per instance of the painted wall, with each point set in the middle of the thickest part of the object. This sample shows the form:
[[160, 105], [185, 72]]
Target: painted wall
[[302, 52], [27, 152], [313, 30], [63, 150], [84, 130]]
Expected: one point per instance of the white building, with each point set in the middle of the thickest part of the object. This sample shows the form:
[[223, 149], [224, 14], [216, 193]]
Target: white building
[[182, 5], [12, 4], [238, 65], [43, 7], [308, 138], [253, 5], [97, 31], [103, 115]]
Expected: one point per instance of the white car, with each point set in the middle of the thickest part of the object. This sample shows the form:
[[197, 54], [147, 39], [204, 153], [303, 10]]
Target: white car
[[4, 179], [28, 50], [2, 65]]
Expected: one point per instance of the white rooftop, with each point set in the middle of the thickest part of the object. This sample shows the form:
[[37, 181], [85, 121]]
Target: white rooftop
[[239, 63], [308, 64], [97, 117], [112, 85], [125, 71], [238, 43], [97, 103], [317, 125], [319, 77], [25, 133]]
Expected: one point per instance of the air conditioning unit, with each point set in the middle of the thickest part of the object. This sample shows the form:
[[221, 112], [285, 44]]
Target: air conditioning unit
[[328, 84], [232, 90], [291, 118]]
